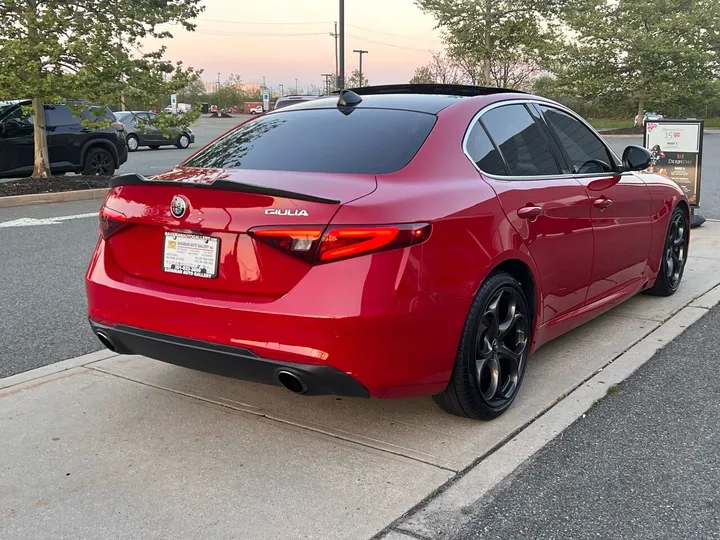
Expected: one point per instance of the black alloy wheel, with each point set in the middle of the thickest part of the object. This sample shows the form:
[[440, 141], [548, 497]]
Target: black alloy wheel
[[493, 352], [674, 256], [99, 162]]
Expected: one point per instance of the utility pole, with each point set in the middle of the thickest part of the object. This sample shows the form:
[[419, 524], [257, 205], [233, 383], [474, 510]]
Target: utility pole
[[360, 53], [296, 88], [327, 82], [218, 82], [264, 82], [336, 35], [341, 60]]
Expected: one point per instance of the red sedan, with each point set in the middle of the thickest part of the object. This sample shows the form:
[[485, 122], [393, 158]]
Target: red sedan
[[387, 242]]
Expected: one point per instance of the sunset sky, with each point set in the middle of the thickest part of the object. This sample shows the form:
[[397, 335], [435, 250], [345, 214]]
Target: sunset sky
[[289, 39]]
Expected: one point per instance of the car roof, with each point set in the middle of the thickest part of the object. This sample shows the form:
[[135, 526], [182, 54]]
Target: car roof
[[427, 98]]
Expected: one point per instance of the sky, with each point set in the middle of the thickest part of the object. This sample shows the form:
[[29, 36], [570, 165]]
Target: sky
[[288, 39]]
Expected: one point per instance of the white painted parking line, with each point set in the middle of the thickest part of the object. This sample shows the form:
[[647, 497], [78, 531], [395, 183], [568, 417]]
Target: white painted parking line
[[32, 222]]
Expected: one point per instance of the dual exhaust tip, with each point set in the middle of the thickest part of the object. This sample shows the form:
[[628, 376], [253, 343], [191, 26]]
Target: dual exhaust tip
[[292, 382], [106, 340], [287, 379]]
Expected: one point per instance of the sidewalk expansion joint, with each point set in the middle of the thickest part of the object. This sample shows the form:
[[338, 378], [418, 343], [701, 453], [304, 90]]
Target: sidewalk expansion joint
[[273, 418]]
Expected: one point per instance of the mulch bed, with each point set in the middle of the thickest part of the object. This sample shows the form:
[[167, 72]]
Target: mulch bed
[[52, 184], [623, 131]]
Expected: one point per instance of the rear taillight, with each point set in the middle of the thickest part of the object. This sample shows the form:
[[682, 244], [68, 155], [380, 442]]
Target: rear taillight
[[111, 221], [118, 126], [340, 242]]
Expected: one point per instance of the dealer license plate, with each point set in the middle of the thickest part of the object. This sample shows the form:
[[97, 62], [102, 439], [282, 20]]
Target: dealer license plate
[[191, 255]]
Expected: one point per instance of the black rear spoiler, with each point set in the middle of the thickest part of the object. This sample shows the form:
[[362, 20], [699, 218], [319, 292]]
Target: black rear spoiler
[[134, 179]]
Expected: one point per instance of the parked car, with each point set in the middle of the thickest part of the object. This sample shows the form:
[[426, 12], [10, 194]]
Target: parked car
[[71, 147], [181, 108], [424, 240], [257, 110], [141, 132], [648, 117], [286, 101]]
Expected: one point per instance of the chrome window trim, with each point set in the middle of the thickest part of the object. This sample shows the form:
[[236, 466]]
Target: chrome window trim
[[548, 103]]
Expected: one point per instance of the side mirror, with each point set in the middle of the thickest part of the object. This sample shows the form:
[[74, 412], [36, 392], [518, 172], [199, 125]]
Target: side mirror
[[636, 158]]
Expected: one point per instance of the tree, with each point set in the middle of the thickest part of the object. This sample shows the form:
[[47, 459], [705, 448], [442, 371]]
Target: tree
[[356, 81], [57, 51], [445, 70], [493, 32], [659, 52], [422, 75], [193, 92]]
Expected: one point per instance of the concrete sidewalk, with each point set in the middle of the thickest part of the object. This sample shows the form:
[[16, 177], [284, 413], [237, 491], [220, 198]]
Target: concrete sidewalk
[[112, 446]]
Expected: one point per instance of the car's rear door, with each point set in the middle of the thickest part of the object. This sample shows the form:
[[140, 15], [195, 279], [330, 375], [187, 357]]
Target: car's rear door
[[547, 207], [620, 206], [65, 137], [151, 135]]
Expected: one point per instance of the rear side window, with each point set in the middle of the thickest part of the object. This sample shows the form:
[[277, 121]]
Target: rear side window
[[366, 141], [483, 153], [521, 141], [583, 147], [97, 113], [59, 115]]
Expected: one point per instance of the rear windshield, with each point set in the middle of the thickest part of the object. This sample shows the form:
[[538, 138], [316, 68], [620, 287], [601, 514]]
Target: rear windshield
[[366, 141]]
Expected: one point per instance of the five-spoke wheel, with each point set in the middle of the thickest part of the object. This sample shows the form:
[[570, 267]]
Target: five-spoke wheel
[[493, 353], [674, 256]]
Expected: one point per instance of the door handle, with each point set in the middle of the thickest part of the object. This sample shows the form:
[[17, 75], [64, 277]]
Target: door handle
[[602, 203], [529, 212]]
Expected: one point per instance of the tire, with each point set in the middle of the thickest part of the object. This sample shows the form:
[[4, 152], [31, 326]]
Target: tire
[[473, 391], [183, 141], [674, 255], [98, 162], [133, 143], [154, 147]]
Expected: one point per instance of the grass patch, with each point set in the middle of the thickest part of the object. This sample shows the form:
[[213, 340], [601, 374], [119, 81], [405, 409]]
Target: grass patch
[[610, 123], [614, 389], [615, 123]]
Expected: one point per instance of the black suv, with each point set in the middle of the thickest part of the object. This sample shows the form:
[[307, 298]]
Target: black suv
[[72, 147]]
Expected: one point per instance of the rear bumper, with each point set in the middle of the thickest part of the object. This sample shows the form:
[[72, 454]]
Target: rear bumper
[[233, 362], [355, 317]]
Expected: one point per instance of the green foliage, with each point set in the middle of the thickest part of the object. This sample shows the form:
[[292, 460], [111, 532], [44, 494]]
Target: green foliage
[[423, 75], [356, 81], [495, 42], [660, 55], [64, 50]]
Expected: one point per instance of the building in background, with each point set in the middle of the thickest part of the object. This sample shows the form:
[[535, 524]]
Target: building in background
[[211, 87]]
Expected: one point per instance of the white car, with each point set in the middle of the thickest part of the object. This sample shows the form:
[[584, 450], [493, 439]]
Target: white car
[[257, 110]]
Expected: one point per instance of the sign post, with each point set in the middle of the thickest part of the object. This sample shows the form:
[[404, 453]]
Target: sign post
[[173, 103], [266, 100], [676, 146]]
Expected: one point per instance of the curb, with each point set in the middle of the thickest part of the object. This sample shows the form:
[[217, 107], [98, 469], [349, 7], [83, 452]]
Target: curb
[[57, 367], [447, 508], [44, 198]]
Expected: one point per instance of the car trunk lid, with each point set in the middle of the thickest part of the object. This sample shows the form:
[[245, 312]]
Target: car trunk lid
[[220, 206]]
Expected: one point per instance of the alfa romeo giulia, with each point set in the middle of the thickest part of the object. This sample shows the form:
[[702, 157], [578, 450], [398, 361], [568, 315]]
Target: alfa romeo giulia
[[385, 242]]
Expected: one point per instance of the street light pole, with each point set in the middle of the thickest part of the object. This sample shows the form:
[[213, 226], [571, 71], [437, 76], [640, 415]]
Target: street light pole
[[296, 86], [360, 53], [282, 89], [341, 62], [264, 82]]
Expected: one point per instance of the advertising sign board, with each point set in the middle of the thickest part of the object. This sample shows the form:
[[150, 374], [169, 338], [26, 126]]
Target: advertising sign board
[[676, 146]]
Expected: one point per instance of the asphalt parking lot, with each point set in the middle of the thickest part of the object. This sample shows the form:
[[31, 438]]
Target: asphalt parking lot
[[147, 162]]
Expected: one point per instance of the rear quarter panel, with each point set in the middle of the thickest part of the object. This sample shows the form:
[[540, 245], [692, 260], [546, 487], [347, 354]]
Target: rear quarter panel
[[665, 195]]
